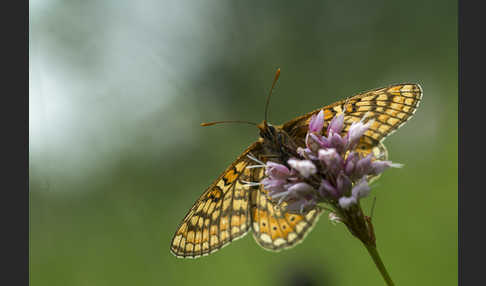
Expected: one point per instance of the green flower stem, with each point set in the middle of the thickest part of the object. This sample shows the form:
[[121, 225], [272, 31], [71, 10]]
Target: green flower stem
[[379, 264]]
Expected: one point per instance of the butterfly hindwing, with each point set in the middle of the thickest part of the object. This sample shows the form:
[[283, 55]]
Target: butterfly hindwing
[[220, 215], [273, 227]]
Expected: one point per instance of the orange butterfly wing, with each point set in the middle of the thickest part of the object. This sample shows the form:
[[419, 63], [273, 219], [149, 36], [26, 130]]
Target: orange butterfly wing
[[390, 107], [220, 215], [273, 227]]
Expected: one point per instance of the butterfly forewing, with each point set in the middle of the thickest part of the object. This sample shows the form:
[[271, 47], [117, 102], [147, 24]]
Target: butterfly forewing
[[220, 215], [390, 107]]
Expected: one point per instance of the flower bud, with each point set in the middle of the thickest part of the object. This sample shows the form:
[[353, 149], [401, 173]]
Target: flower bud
[[304, 167], [316, 122]]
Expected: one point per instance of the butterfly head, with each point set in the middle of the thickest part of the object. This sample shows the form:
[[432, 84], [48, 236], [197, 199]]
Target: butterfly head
[[268, 132], [276, 141]]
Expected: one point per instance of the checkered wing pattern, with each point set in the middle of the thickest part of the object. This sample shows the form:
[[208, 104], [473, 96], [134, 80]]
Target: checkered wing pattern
[[220, 215], [390, 107], [273, 227]]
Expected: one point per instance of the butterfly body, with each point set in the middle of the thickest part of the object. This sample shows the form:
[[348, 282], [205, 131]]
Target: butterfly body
[[236, 203]]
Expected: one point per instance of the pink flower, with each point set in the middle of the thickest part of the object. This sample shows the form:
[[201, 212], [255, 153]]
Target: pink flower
[[277, 171], [329, 170], [336, 125], [316, 122], [355, 132]]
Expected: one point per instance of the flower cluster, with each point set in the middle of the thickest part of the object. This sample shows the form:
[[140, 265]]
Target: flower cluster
[[329, 169]]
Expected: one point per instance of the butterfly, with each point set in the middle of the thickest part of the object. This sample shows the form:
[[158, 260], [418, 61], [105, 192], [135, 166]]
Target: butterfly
[[235, 202]]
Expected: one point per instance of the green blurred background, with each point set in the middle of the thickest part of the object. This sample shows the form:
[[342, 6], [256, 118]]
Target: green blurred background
[[117, 156]]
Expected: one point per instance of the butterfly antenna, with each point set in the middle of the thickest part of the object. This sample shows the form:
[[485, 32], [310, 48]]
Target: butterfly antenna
[[277, 74], [204, 124]]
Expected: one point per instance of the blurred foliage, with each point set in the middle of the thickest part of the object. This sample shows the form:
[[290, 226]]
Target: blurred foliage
[[118, 89]]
